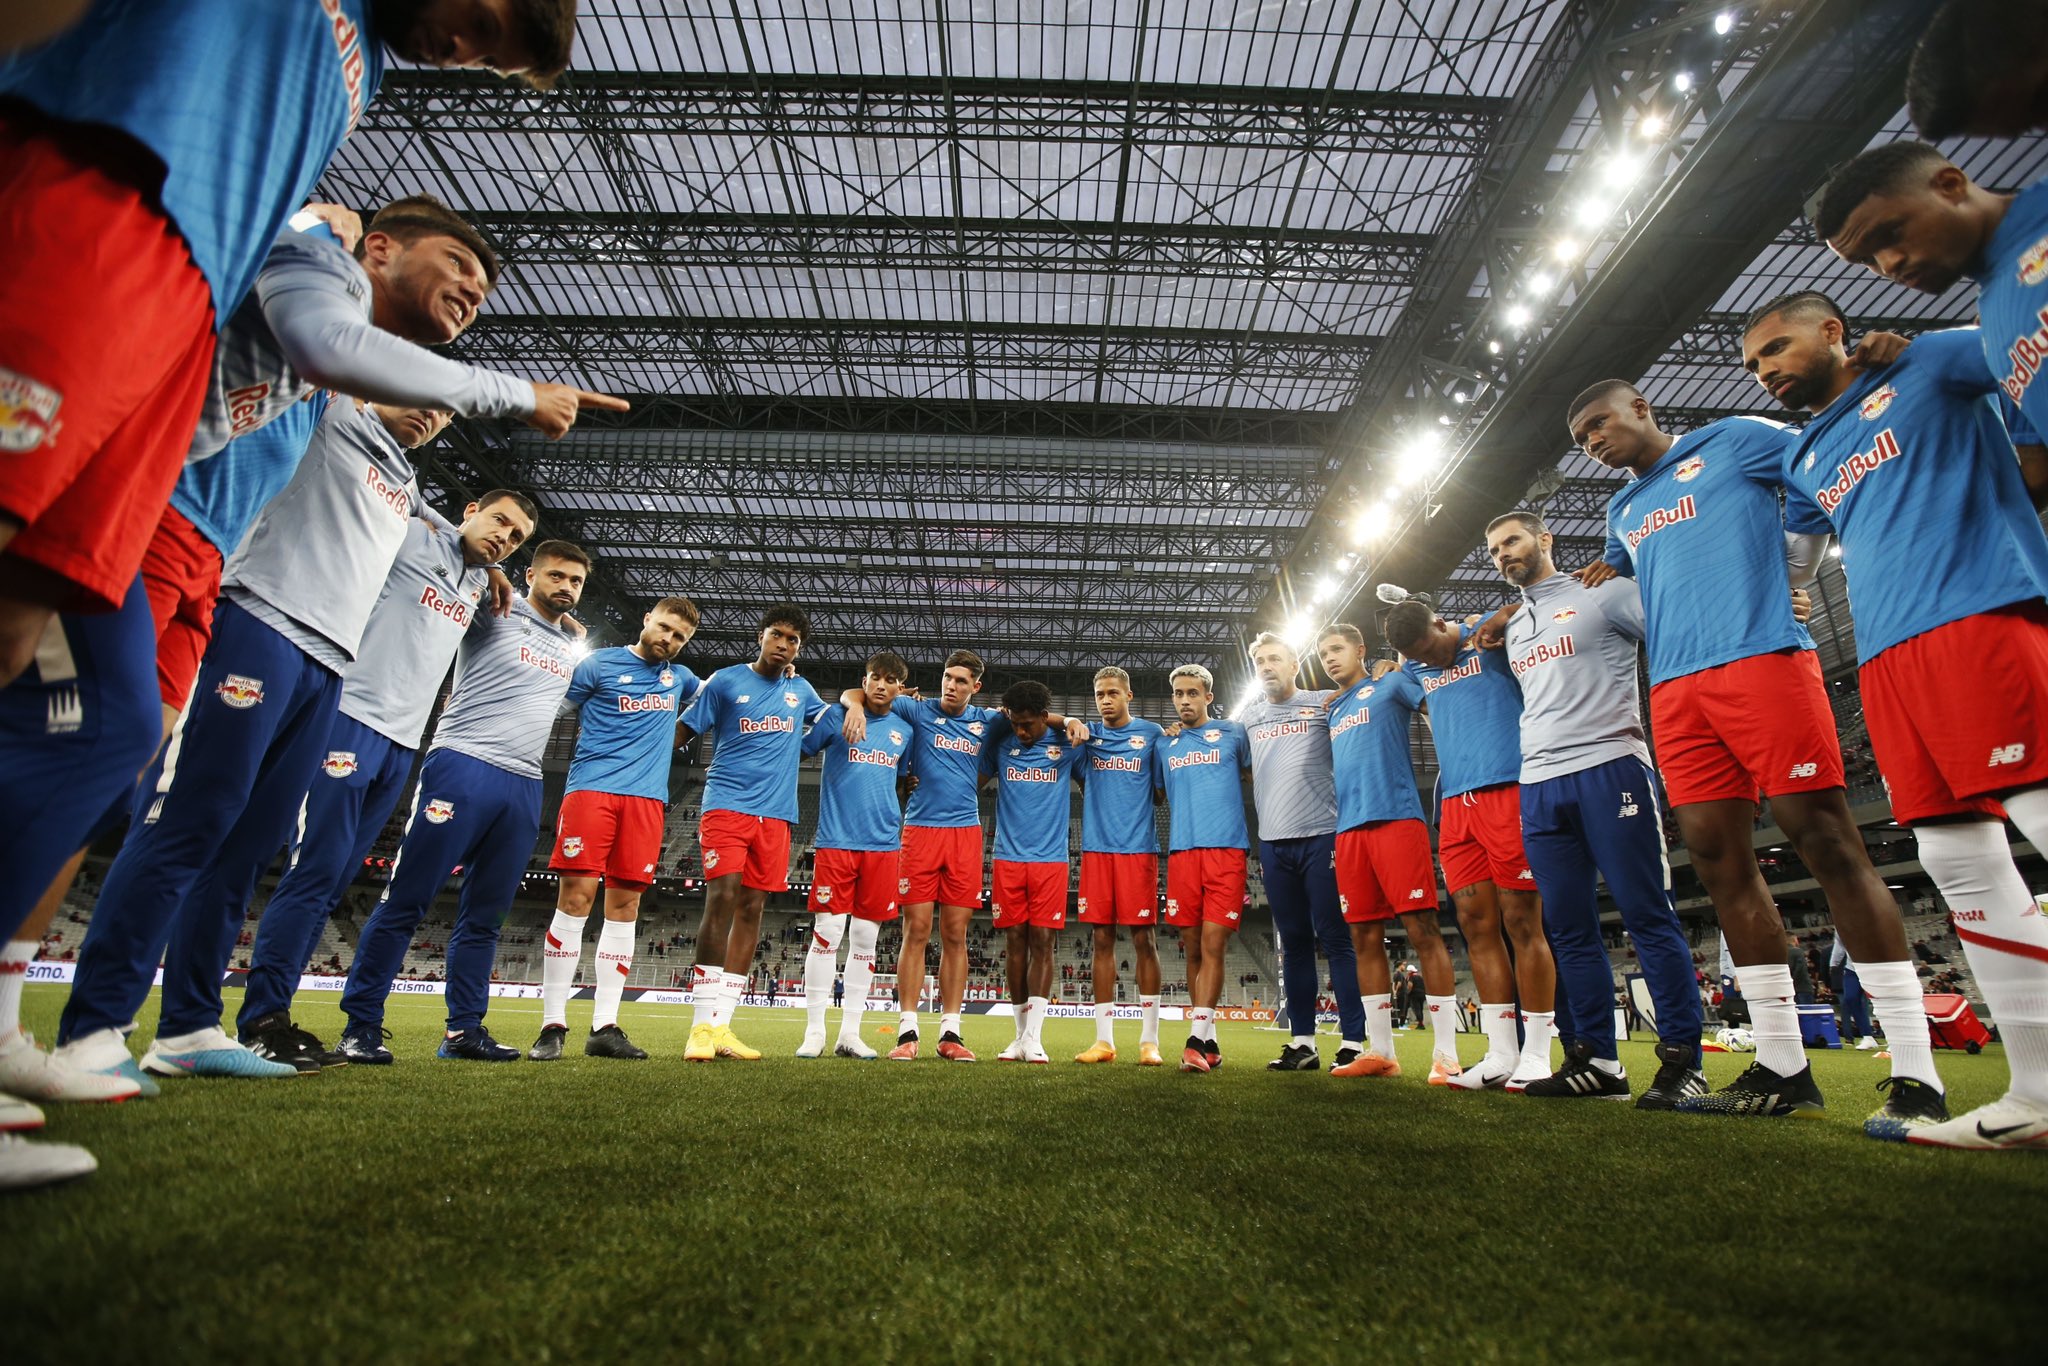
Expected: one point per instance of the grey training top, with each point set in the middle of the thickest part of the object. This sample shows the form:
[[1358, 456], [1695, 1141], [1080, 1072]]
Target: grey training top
[[427, 603], [510, 677], [1294, 786], [1573, 650]]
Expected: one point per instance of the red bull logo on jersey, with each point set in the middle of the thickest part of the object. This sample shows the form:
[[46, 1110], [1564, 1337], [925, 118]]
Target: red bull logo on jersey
[[1564, 614], [1543, 654], [2025, 354], [245, 407], [880, 758], [654, 701], [239, 691], [1115, 763], [823, 894], [1688, 470], [1176, 762], [766, 724], [398, 499], [1469, 669], [2033, 264], [973, 727], [947, 742], [1214, 737], [1361, 717], [339, 763], [572, 847], [348, 47], [440, 811], [1873, 407], [1656, 520], [667, 678], [1278, 730], [1856, 469], [1013, 774], [790, 699], [547, 663], [455, 609], [28, 413]]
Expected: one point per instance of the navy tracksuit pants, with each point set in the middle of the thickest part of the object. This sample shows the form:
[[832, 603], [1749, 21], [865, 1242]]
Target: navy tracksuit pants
[[1301, 885]]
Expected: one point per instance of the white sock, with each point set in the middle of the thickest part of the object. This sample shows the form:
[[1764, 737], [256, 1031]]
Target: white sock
[[1379, 1023], [1148, 1032], [821, 965], [723, 992], [1200, 1020], [614, 964], [1896, 1000], [1443, 1019], [1105, 1030], [1209, 1028], [1611, 1066], [948, 1024], [562, 951], [2004, 937], [906, 1025], [1536, 1026], [1499, 1020], [1036, 1036], [860, 976], [1021, 1015], [1304, 1041], [14, 961], [1773, 1016]]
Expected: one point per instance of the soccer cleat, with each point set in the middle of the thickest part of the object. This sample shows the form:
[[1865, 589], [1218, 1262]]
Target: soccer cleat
[[700, 1048], [1909, 1104], [2006, 1123], [18, 1116], [1148, 1055], [24, 1164], [813, 1045], [27, 1072], [275, 1037], [474, 1045], [1193, 1059], [1525, 1072], [1579, 1079], [729, 1046], [1678, 1080], [611, 1042], [106, 1051], [1488, 1074], [1012, 1052], [951, 1049], [903, 1052], [1759, 1092], [1097, 1052], [364, 1044], [1215, 1054], [1351, 1063], [1034, 1054], [853, 1046], [548, 1047], [216, 1056], [1296, 1058], [1866, 1044], [1444, 1070]]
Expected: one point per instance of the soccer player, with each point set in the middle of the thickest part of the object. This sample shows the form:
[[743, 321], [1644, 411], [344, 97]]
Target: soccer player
[[1033, 770], [1120, 784], [756, 715], [1295, 794], [610, 823], [219, 802], [477, 808], [1384, 867], [1206, 763], [1914, 471], [436, 585], [859, 844], [1475, 718], [1740, 712], [1981, 67], [1590, 810]]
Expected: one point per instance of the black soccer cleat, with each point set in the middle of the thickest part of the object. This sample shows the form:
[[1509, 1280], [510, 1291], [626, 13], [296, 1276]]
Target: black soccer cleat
[[1296, 1058], [548, 1047], [611, 1042], [275, 1038], [1908, 1105], [475, 1045], [364, 1044], [1579, 1079], [1677, 1080], [1761, 1093]]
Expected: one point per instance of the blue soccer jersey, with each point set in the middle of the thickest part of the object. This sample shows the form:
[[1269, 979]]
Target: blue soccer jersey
[[946, 757], [1913, 469], [626, 730], [1203, 769], [857, 807], [1369, 726], [1118, 778], [1475, 718], [1704, 537], [2012, 306], [1034, 798], [756, 727]]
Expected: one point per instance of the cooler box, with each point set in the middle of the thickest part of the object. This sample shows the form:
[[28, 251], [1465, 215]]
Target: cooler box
[[1817, 1027], [1952, 1024]]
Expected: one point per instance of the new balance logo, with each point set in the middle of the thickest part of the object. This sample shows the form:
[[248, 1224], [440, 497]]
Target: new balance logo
[[1803, 770], [2007, 754], [1628, 804]]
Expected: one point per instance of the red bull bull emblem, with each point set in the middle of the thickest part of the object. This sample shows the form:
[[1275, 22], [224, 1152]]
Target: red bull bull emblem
[[572, 847], [1874, 406], [668, 678], [339, 763], [440, 811], [1564, 614], [2034, 263], [1688, 470], [823, 893], [789, 699], [903, 886], [28, 413], [239, 691], [1212, 736]]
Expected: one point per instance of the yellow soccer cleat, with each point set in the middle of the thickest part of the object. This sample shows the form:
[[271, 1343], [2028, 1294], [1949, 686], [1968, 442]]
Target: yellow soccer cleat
[[1148, 1055], [1097, 1052], [728, 1045], [700, 1048]]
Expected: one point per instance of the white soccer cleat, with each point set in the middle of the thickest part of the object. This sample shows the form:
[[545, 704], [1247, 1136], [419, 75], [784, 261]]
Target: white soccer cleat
[[17, 1115], [1525, 1072], [1035, 1054], [1488, 1074], [813, 1045], [853, 1046], [27, 1071], [2008, 1123], [1013, 1053], [106, 1050], [24, 1164], [211, 1053], [1866, 1044]]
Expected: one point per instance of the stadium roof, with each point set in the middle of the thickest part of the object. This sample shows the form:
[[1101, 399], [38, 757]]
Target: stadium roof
[[1088, 333]]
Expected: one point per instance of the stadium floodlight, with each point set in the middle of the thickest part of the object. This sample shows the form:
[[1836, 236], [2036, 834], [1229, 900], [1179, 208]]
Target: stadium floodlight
[[1724, 22], [1518, 315], [1566, 249], [1682, 82], [1493, 347], [1541, 283], [1650, 126], [1624, 169], [1416, 459], [1592, 212], [1371, 524], [1301, 631]]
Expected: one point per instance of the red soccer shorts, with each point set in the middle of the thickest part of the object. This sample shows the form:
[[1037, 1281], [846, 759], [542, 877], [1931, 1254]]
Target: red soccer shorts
[[1029, 894], [1384, 870], [1942, 759], [755, 847], [856, 882], [1750, 727], [1119, 889], [106, 346], [1479, 839], [1205, 886], [181, 575], [941, 864], [607, 835]]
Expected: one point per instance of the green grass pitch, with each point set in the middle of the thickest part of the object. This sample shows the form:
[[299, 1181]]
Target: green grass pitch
[[837, 1210]]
